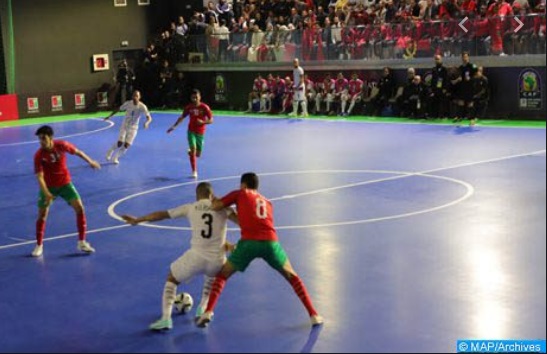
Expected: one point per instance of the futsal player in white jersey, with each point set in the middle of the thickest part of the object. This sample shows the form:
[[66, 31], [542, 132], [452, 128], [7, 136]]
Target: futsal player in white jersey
[[206, 255], [134, 110], [299, 85]]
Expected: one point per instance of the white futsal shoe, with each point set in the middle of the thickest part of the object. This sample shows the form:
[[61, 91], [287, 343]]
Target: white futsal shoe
[[85, 247], [38, 251], [316, 320]]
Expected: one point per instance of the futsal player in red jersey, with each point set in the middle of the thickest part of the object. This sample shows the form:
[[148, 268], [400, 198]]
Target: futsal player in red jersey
[[55, 181], [258, 240], [200, 116]]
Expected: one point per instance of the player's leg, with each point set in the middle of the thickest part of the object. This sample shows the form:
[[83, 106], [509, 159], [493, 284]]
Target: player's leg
[[354, 100], [278, 259], [239, 260], [43, 212], [228, 269], [318, 99], [181, 271], [250, 103], [71, 196], [192, 149], [344, 103], [129, 138], [117, 145], [205, 294], [167, 303]]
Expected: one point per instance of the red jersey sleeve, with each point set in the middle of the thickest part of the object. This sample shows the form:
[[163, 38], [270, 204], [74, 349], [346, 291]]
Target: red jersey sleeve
[[67, 147], [230, 198], [38, 162]]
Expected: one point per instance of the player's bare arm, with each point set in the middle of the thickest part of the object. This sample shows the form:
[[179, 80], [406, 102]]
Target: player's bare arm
[[44, 188], [217, 205], [94, 164], [179, 120], [208, 121], [112, 114], [155, 216], [148, 121]]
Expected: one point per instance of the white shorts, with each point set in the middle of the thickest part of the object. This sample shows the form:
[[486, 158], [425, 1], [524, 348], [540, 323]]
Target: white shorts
[[299, 95], [128, 133], [193, 263]]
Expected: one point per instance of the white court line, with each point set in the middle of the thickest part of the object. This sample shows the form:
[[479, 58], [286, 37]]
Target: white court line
[[64, 236], [110, 125], [503, 158], [470, 191]]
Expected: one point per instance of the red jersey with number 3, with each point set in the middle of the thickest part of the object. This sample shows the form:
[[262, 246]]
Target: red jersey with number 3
[[200, 112], [53, 163], [255, 214]]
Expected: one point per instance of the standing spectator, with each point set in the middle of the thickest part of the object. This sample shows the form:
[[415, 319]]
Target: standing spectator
[[438, 90], [481, 91], [124, 82], [464, 89]]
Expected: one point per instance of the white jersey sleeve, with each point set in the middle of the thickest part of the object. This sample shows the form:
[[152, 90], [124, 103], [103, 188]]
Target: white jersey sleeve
[[179, 212]]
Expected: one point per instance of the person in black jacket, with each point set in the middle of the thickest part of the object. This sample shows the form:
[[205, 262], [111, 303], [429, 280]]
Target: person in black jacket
[[386, 87], [481, 91], [438, 91]]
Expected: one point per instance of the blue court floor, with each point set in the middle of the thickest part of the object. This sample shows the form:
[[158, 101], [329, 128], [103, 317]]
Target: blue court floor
[[408, 237]]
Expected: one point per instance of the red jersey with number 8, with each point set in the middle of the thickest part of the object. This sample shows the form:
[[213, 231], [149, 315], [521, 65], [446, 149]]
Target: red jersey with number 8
[[53, 163], [255, 214], [201, 112]]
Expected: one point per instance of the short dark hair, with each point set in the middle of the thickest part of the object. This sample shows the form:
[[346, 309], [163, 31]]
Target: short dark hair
[[250, 179], [45, 130], [204, 189], [196, 92]]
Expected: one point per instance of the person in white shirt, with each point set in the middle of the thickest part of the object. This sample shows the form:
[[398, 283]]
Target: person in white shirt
[[299, 85], [134, 110], [206, 255]]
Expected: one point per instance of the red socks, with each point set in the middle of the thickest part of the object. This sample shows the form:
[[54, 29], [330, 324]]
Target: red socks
[[302, 293], [216, 290], [193, 161], [40, 231], [82, 226]]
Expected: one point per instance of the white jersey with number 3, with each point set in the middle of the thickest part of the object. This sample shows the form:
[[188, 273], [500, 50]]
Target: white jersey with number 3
[[208, 227]]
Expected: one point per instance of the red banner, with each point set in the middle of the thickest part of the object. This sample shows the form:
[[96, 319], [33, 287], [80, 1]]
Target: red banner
[[8, 107]]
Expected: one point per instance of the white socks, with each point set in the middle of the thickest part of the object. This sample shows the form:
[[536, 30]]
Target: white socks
[[207, 286], [168, 300]]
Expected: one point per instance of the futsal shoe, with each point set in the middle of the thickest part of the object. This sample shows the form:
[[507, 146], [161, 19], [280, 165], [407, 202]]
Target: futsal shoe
[[199, 313], [316, 320], [115, 160], [204, 319], [161, 325], [85, 247], [195, 174], [38, 251]]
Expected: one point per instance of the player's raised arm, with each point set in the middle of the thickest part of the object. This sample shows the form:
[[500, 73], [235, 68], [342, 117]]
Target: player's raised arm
[[155, 216]]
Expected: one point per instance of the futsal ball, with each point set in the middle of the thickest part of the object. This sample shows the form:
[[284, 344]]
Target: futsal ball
[[183, 303]]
